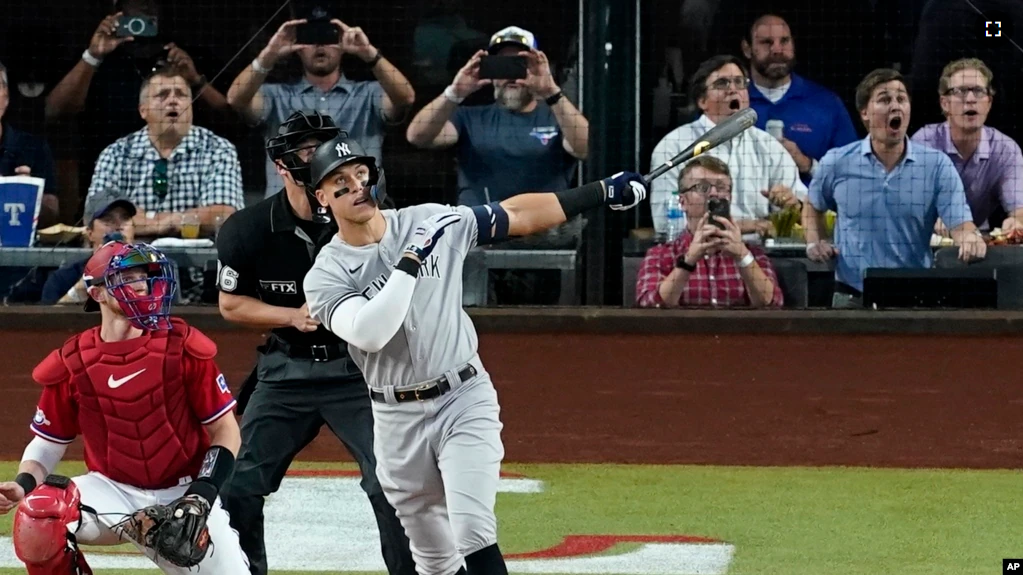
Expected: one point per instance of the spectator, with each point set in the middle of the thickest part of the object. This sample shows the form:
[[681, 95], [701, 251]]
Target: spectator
[[170, 167], [762, 171], [23, 154], [989, 162], [108, 215], [888, 192], [706, 265], [814, 118], [110, 73], [360, 108], [528, 140]]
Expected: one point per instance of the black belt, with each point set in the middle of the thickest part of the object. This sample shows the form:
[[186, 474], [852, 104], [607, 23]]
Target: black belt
[[843, 288], [426, 391], [317, 353]]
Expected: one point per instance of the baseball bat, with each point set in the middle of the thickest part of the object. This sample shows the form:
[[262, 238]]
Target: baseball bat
[[723, 132]]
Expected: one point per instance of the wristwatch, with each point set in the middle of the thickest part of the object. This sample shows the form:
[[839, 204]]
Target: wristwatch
[[375, 59], [553, 98], [680, 262]]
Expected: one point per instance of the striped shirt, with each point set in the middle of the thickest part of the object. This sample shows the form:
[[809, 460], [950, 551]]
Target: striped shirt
[[202, 171]]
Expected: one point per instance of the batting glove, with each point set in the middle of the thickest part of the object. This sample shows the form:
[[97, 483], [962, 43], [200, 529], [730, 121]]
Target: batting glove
[[427, 234], [624, 190]]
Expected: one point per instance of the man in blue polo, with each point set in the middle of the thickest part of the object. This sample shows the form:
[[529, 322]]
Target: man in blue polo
[[888, 192], [810, 118]]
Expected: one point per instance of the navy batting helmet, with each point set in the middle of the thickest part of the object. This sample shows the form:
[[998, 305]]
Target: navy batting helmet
[[292, 133], [344, 150]]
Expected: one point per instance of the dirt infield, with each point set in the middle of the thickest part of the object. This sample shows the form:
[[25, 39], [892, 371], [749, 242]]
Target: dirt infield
[[933, 401]]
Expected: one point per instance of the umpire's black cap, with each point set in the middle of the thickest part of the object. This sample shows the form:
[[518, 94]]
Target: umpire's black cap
[[339, 151]]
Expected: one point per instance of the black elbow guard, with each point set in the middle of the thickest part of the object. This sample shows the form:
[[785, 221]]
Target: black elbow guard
[[582, 199]]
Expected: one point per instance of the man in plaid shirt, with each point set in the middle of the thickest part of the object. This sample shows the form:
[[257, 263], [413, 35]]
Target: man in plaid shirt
[[171, 168], [706, 265]]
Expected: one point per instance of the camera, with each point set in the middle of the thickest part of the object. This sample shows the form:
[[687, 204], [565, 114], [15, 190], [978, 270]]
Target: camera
[[718, 207], [141, 26]]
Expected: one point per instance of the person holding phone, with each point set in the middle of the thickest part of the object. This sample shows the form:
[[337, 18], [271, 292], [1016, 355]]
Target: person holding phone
[[363, 109], [530, 138], [708, 265], [108, 76]]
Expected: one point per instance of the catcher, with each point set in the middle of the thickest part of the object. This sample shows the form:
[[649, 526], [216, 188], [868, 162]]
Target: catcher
[[157, 420]]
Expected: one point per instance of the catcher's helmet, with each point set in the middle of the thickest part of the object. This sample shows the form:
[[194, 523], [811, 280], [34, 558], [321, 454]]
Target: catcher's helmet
[[149, 311], [298, 128], [343, 150]]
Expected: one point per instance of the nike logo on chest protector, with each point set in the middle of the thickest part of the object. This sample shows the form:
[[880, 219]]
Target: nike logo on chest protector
[[120, 381]]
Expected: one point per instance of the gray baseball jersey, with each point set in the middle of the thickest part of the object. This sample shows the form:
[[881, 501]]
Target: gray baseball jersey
[[437, 334], [439, 459]]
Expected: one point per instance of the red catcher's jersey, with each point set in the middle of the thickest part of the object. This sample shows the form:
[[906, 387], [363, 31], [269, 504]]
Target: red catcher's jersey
[[140, 404]]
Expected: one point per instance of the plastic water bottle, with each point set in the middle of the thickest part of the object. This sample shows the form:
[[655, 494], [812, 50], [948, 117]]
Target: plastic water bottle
[[676, 217]]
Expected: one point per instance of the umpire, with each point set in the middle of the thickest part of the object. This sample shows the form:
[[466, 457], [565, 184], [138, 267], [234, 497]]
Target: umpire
[[304, 376]]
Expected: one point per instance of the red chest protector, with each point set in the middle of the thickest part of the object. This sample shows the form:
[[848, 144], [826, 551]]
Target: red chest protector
[[133, 407]]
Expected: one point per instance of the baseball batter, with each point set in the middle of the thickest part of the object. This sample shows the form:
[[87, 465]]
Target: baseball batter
[[390, 284], [144, 392]]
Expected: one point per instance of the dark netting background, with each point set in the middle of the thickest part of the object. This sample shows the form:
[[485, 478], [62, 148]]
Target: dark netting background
[[626, 65]]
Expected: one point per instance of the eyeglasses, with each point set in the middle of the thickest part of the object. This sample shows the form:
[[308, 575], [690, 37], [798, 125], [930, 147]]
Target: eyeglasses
[[740, 83], [704, 187], [962, 91], [160, 182]]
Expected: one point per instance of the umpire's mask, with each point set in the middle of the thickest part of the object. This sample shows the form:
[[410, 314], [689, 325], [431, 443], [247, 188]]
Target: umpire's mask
[[298, 137]]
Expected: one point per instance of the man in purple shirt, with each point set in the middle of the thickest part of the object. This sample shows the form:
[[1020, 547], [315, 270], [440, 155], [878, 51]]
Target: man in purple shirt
[[989, 162]]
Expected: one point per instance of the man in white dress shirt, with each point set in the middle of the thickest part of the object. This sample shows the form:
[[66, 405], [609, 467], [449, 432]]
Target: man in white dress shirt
[[764, 174]]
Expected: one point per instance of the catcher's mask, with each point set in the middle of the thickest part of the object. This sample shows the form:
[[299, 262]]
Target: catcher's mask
[[291, 139], [342, 150], [139, 278]]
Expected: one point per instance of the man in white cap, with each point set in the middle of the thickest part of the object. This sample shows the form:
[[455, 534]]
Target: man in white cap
[[528, 140]]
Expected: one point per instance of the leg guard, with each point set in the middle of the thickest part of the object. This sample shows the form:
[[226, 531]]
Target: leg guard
[[41, 536]]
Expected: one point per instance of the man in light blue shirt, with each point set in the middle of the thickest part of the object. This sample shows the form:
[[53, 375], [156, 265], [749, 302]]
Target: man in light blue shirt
[[888, 192]]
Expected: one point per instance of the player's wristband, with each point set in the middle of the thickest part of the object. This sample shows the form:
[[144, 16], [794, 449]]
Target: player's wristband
[[26, 481], [216, 469], [409, 266], [582, 199]]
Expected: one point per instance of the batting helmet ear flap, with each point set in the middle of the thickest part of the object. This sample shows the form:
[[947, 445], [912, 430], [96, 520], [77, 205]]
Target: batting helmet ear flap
[[321, 213]]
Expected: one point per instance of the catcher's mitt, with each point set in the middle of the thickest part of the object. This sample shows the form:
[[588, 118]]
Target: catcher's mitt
[[176, 531]]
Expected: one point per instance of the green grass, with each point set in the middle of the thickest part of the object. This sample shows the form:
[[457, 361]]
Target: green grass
[[781, 520]]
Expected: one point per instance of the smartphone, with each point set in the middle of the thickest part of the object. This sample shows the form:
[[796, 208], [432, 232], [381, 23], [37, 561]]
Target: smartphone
[[141, 26], [318, 33], [503, 67], [718, 207]]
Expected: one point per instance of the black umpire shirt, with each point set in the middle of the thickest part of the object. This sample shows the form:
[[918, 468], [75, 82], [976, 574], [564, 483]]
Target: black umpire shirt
[[264, 251]]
